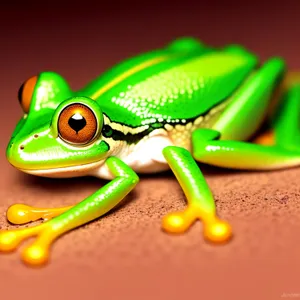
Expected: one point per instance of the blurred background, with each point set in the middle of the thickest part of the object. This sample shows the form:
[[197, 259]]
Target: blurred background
[[82, 38]]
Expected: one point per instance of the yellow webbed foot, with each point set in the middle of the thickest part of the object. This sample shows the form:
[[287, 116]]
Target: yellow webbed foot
[[23, 214], [35, 254], [215, 230]]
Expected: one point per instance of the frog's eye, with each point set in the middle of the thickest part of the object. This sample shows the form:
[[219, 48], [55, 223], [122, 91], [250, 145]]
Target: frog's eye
[[25, 93], [77, 124]]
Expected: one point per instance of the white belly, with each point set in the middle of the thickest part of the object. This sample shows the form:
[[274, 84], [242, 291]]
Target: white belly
[[144, 157]]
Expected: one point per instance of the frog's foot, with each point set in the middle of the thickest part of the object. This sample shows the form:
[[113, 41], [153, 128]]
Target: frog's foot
[[215, 230], [22, 214], [38, 252], [201, 204], [91, 208]]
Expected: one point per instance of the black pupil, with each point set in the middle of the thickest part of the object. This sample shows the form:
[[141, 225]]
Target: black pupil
[[77, 122]]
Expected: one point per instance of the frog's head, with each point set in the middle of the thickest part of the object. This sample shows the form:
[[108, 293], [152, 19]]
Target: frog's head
[[59, 135]]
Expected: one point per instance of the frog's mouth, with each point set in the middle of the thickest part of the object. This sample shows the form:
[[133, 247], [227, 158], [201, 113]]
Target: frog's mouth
[[66, 172], [54, 160]]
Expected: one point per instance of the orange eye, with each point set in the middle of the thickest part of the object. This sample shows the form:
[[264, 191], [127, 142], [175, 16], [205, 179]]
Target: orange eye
[[25, 93], [77, 124]]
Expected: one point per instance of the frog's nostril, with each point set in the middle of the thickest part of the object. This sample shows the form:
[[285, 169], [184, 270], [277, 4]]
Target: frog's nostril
[[22, 147]]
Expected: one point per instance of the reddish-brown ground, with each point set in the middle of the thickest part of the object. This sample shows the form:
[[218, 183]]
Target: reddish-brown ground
[[125, 255]]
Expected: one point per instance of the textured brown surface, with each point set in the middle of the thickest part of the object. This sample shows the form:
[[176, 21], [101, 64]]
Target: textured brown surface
[[125, 255]]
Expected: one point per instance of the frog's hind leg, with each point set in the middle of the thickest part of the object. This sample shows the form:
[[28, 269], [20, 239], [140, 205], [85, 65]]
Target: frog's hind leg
[[208, 148], [249, 105], [283, 124], [279, 148]]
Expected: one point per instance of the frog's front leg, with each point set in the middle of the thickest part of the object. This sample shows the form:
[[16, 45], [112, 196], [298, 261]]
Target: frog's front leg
[[200, 199], [89, 209]]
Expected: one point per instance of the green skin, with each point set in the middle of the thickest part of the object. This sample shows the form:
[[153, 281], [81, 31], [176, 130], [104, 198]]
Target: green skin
[[182, 82]]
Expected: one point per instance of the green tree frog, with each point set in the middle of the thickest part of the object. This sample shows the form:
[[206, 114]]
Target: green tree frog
[[170, 108]]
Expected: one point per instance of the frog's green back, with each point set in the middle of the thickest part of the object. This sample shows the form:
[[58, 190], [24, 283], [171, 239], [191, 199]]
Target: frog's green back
[[181, 81]]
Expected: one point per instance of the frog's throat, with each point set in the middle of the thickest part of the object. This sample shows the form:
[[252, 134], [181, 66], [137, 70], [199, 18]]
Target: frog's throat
[[66, 172]]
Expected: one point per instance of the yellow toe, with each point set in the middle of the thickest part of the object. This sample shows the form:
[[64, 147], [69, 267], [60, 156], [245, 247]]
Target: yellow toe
[[9, 241], [20, 214], [35, 255], [219, 231], [177, 222]]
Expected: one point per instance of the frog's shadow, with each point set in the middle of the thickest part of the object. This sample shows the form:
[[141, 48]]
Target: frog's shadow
[[59, 186]]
